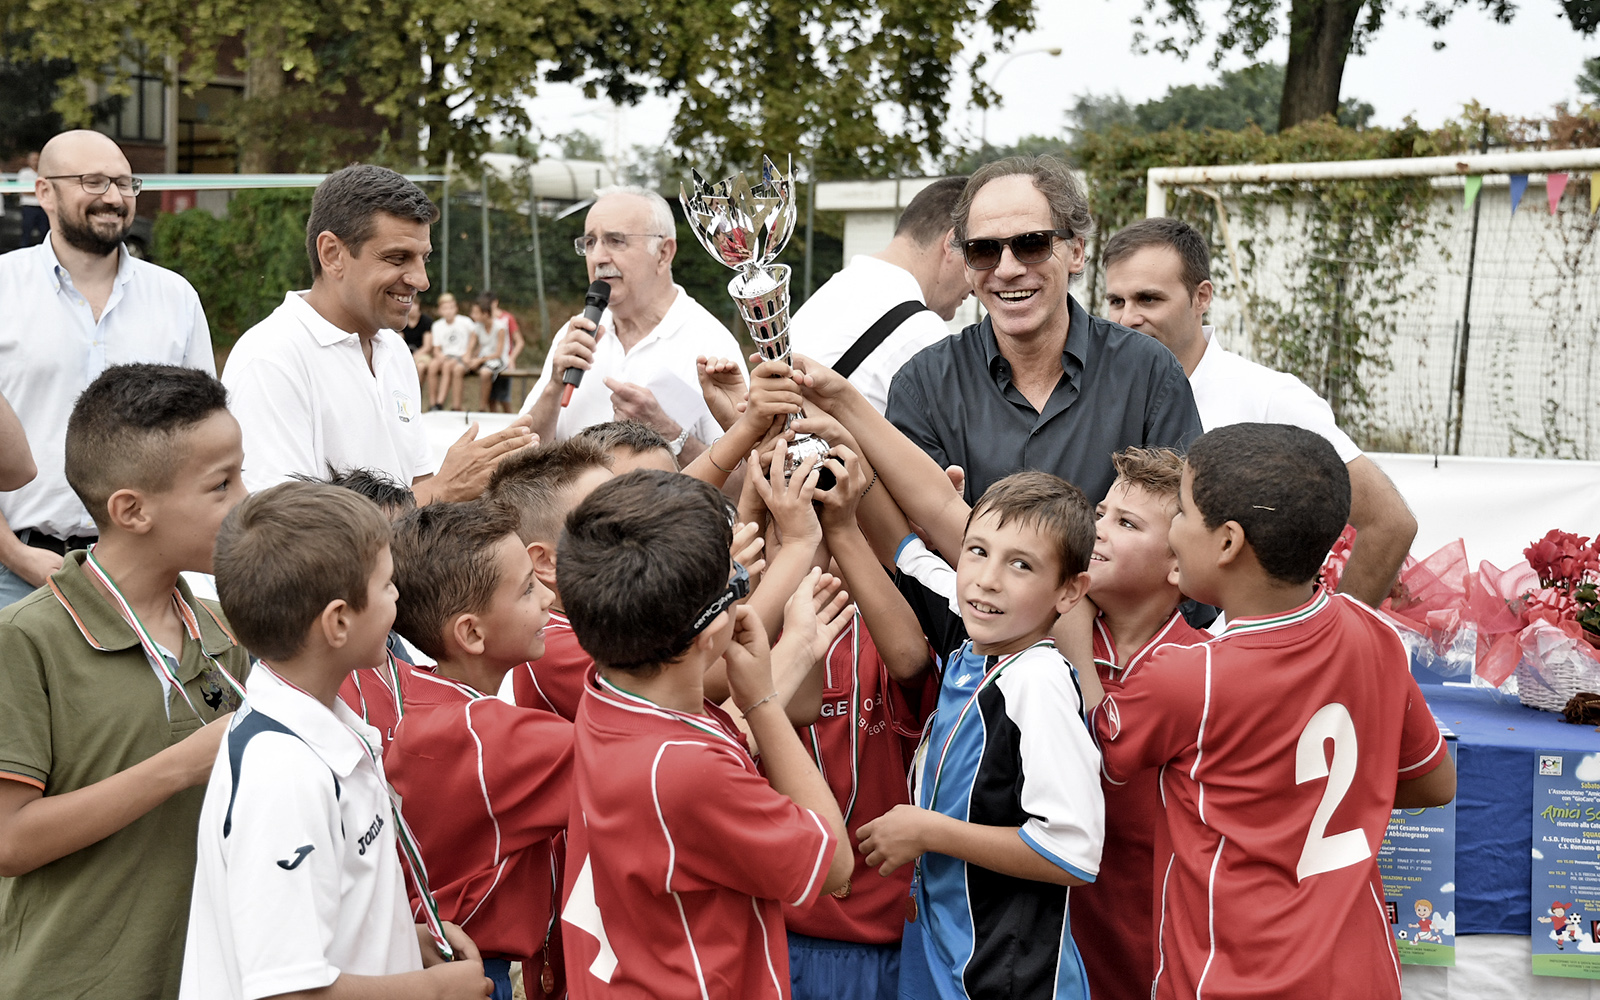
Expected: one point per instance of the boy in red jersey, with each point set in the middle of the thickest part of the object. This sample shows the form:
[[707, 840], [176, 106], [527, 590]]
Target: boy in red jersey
[[1133, 582], [877, 692], [543, 486], [486, 784], [1273, 887], [682, 855]]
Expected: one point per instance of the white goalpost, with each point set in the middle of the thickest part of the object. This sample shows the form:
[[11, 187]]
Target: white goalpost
[[1472, 327]]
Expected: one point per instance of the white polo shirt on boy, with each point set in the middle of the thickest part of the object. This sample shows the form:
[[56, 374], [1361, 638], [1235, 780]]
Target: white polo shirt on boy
[[663, 362], [305, 398], [297, 878]]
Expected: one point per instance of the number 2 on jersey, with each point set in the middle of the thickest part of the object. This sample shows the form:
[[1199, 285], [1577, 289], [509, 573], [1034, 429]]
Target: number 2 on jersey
[[1323, 853]]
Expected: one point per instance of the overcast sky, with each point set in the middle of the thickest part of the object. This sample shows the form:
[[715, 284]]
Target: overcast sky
[[1523, 68]]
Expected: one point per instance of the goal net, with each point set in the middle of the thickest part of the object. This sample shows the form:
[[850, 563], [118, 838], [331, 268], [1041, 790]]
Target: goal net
[[1446, 305]]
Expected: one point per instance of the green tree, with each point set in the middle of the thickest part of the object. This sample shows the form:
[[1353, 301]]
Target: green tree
[[1240, 98], [1589, 80], [1322, 35], [861, 85], [580, 145], [27, 90]]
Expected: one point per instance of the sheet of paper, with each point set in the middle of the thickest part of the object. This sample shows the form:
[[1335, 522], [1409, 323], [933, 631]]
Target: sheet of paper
[[1565, 923], [1418, 861]]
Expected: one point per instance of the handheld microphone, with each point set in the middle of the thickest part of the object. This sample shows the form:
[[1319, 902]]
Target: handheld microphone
[[594, 303]]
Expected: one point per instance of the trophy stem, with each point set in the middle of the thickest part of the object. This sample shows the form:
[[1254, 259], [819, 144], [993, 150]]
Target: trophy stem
[[762, 295]]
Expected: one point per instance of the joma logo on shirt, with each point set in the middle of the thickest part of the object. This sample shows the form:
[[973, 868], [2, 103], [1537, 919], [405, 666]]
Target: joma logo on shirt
[[371, 834]]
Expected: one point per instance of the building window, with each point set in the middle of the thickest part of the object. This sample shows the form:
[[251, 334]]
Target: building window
[[140, 116]]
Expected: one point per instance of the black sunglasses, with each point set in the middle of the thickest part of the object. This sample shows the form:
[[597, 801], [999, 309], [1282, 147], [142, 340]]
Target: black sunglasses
[[1028, 248], [737, 590]]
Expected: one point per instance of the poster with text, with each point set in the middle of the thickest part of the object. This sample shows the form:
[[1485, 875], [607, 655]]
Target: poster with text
[[1418, 861], [1566, 864]]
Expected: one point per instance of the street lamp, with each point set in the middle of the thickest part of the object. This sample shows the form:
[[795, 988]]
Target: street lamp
[[1054, 50]]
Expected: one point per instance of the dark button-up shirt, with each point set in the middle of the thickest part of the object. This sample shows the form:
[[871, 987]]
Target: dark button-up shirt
[[1118, 388]]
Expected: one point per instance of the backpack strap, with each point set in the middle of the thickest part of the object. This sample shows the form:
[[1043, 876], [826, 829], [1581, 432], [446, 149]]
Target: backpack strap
[[876, 334]]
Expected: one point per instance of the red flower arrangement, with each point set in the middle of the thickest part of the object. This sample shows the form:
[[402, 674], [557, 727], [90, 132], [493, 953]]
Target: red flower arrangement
[[1568, 567]]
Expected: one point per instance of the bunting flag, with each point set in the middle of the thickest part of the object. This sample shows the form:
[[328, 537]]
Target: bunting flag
[[1555, 185], [1519, 187], [1474, 185], [1594, 192]]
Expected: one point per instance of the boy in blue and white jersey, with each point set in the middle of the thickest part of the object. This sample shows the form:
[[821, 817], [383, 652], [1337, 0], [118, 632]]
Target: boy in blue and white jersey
[[1009, 812]]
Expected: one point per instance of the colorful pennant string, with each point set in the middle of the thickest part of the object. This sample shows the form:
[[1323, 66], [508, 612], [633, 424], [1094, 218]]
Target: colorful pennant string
[[1554, 186], [1519, 187]]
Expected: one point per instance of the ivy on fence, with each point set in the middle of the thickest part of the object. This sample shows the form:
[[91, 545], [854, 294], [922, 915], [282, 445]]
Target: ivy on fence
[[1338, 250]]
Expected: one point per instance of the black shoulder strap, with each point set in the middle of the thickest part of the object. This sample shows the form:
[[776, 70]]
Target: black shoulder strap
[[253, 725], [876, 334]]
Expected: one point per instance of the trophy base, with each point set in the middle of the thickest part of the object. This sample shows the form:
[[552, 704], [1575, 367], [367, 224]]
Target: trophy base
[[805, 446]]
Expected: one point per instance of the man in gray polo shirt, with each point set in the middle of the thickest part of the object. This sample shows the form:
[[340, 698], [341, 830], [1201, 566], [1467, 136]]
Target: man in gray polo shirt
[[1039, 384]]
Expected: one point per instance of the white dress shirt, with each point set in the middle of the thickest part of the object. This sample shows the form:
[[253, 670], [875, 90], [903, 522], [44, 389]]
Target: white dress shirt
[[305, 398], [1229, 389], [663, 362], [838, 313], [52, 347]]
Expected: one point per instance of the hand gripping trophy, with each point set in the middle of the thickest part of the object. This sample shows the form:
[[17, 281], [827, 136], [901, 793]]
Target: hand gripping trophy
[[746, 228]]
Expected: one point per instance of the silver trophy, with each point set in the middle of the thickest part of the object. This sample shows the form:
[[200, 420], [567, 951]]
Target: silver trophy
[[746, 228]]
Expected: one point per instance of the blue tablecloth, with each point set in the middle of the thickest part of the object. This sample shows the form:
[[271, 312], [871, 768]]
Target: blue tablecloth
[[1496, 743]]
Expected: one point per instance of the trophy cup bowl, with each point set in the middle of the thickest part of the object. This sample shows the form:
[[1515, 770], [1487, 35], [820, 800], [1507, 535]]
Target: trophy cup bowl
[[745, 228]]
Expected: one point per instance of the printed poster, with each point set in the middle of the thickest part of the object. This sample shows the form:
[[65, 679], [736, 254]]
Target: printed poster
[[1566, 864], [1418, 862]]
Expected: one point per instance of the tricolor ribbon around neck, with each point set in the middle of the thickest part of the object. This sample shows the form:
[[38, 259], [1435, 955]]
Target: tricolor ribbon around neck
[[152, 651], [683, 717], [394, 681], [410, 857]]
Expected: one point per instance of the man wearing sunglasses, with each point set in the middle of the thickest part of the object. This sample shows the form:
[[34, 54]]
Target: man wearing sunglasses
[[1039, 383], [76, 304]]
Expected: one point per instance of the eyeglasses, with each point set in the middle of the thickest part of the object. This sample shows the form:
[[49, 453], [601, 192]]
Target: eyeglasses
[[1027, 248], [615, 242], [99, 183], [737, 590]]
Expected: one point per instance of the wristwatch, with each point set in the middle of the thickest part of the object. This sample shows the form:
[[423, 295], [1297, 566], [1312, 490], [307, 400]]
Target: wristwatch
[[676, 444]]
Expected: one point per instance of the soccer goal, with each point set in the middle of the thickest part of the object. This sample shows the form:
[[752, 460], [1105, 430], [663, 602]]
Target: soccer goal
[[1446, 305]]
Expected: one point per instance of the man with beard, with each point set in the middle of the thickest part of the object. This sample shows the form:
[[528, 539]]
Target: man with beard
[[640, 362], [75, 305]]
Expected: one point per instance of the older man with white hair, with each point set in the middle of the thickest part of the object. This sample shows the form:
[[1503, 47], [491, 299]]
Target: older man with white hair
[[639, 360]]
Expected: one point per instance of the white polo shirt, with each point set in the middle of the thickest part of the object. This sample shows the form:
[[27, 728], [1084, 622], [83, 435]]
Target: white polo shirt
[[305, 398], [1229, 389], [51, 348], [455, 336], [663, 362], [297, 878], [839, 312]]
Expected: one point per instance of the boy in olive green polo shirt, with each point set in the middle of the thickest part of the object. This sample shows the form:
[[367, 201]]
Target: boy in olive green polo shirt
[[111, 679]]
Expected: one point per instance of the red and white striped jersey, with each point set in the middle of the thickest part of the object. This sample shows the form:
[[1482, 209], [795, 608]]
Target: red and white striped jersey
[[554, 682], [1113, 917], [863, 743], [485, 786], [377, 693], [1279, 745], [682, 859]]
